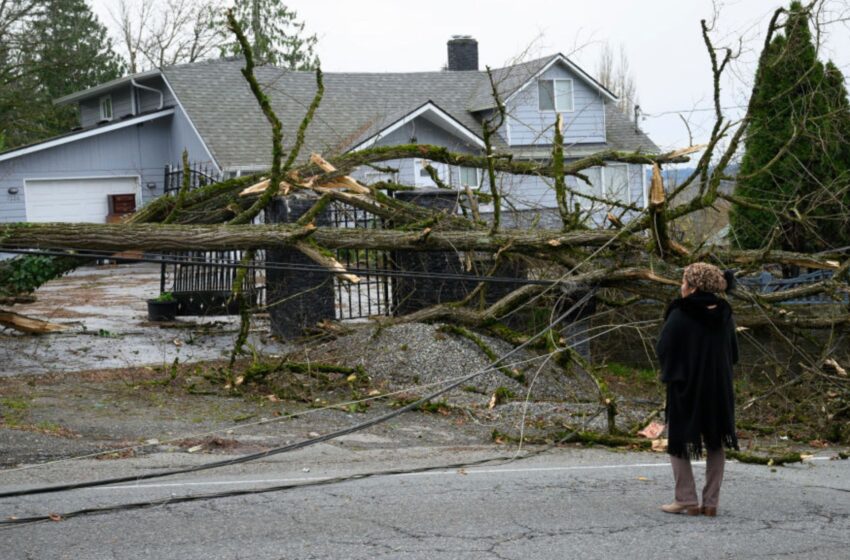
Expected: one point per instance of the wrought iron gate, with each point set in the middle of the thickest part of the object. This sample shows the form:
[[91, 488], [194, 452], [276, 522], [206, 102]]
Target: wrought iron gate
[[373, 294], [202, 281]]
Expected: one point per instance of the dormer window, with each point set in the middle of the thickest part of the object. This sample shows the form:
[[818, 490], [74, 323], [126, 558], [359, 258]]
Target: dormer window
[[555, 95], [106, 108]]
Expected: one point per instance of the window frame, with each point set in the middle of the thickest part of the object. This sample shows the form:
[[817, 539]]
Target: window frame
[[477, 170], [104, 100], [556, 109], [420, 180]]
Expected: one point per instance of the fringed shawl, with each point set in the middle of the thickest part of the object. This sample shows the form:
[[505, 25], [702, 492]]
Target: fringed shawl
[[697, 349]]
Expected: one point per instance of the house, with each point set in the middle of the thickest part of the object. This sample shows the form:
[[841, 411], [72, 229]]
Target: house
[[134, 129]]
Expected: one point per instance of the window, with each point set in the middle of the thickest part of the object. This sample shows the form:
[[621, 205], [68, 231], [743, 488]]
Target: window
[[594, 174], [469, 177], [423, 179], [555, 95], [106, 108], [616, 182]]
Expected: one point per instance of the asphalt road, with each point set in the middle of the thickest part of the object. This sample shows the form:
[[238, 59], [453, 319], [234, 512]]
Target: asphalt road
[[567, 503]]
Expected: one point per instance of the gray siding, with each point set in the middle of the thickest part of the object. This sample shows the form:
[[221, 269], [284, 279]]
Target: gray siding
[[424, 132], [528, 192], [121, 102], [139, 150], [183, 137], [530, 126]]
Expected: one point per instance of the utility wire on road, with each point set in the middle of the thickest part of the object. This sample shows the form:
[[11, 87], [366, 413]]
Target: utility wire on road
[[305, 443], [14, 522]]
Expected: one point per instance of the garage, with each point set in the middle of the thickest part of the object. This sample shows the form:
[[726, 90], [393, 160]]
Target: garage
[[75, 200]]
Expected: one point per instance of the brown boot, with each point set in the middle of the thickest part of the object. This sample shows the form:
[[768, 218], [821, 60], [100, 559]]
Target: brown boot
[[708, 511]]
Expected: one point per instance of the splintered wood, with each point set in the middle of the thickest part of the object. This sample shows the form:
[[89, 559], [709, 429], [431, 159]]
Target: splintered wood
[[345, 182]]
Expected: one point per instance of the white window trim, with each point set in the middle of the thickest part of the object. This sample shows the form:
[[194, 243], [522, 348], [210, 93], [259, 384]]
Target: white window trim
[[111, 108], [477, 170], [555, 96], [426, 181]]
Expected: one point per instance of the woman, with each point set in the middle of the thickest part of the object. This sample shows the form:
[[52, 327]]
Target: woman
[[697, 349]]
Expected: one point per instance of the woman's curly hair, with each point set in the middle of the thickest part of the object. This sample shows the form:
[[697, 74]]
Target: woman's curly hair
[[708, 278]]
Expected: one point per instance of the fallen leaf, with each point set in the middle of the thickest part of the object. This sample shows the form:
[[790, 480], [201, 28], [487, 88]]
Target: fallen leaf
[[177, 342], [273, 398], [351, 378], [239, 380], [492, 403], [461, 471], [642, 478], [55, 517], [195, 448], [374, 392]]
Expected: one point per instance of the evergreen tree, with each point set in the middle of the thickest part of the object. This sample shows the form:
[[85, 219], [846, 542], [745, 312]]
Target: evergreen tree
[[54, 48], [72, 52], [796, 96], [276, 36]]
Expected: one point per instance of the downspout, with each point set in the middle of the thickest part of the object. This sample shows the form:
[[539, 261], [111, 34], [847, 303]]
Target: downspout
[[140, 86]]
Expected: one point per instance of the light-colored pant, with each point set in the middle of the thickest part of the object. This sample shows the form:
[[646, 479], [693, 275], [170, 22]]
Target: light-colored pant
[[686, 490]]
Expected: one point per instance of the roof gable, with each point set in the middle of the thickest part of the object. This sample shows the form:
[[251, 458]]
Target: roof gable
[[433, 113], [511, 80]]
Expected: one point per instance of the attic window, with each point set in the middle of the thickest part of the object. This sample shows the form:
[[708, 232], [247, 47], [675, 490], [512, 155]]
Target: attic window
[[555, 95], [106, 108]]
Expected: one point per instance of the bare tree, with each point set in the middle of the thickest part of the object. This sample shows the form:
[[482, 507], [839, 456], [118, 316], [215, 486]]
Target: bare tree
[[618, 78], [159, 33]]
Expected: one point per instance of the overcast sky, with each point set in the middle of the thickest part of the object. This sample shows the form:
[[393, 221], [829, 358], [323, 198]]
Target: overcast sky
[[661, 37]]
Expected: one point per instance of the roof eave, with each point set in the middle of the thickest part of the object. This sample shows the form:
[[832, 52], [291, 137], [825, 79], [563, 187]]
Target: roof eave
[[427, 106], [104, 87]]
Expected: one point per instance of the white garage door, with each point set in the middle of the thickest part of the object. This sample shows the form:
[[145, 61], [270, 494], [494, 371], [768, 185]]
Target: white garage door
[[74, 200]]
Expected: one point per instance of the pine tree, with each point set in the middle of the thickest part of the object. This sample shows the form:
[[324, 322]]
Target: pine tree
[[797, 97], [72, 52], [276, 36]]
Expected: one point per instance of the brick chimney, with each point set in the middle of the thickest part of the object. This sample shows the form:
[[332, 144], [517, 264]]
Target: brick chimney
[[463, 53]]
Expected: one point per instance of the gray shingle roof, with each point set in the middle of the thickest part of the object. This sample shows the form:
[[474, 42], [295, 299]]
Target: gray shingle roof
[[355, 106]]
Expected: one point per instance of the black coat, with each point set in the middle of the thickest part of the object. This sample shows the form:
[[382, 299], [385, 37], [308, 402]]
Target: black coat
[[697, 349]]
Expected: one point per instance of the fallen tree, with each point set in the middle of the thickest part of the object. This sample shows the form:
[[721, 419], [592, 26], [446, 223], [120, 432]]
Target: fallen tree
[[638, 259]]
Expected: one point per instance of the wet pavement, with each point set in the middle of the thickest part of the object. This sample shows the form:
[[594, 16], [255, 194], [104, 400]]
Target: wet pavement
[[105, 311]]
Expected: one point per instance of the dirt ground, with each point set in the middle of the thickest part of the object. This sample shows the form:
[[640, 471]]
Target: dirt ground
[[117, 386]]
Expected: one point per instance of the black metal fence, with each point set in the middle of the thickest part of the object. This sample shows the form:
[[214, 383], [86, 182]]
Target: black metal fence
[[203, 283], [200, 174], [373, 294]]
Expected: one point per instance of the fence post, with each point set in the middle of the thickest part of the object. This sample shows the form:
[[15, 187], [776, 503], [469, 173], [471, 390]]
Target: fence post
[[296, 298]]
